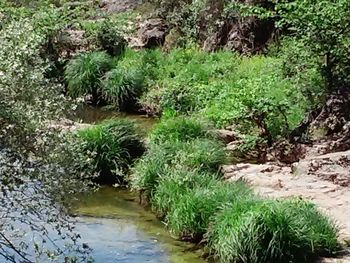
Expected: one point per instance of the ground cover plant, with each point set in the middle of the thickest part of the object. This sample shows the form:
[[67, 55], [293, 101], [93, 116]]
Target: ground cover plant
[[84, 73], [113, 146]]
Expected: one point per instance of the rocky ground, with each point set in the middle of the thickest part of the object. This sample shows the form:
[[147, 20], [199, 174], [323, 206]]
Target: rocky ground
[[117, 6]]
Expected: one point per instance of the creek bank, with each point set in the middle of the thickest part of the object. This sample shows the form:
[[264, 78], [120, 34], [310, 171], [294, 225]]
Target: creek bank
[[323, 179]]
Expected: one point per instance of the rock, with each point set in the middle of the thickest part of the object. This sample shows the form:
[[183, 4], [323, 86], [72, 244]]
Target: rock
[[227, 136], [286, 152], [172, 40], [67, 125], [334, 167], [152, 33], [68, 42], [118, 6]]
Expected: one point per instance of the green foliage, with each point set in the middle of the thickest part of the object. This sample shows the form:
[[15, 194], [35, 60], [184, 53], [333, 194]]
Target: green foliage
[[271, 231], [147, 170], [110, 39], [324, 27], [200, 154], [175, 182], [252, 93], [121, 87], [178, 129], [204, 154], [84, 73], [190, 215], [113, 146], [301, 67]]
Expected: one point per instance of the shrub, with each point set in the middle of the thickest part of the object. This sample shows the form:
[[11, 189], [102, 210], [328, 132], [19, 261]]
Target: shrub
[[190, 216], [110, 39], [113, 146], [83, 73], [122, 87], [271, 231], [178, 129]]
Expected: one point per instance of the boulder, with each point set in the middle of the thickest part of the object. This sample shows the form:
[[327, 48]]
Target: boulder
[[227, 136], [334, 167], [152, 33], [118, 6], [68, 42]]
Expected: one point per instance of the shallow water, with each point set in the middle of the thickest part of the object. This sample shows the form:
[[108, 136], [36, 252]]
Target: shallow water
[[115, 226], [120, 230], [93, 115]]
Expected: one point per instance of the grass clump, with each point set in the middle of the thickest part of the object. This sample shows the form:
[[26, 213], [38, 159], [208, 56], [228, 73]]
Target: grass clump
[[147, 170], [113, 146], [83, 73], [201, 154], [179, 128], [204, 154], [271, 231], [121, 87], [190, 215], [175, 182]]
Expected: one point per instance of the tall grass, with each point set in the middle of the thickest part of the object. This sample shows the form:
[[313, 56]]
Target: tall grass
[[84, 72], [179, 128], [121, 87], [180, 177], [202, 154], [175, 182], [191, 213], [147, 170], [113, 146], [271, 231]]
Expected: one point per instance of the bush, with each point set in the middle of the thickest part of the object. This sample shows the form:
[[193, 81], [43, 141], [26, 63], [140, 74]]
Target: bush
[[122, 87], [190, 215], [113, 146], [271, 231], [178, 129], [84, 72], [110, 39]]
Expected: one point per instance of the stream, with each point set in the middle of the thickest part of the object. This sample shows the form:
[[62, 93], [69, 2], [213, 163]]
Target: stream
[[116, 227]]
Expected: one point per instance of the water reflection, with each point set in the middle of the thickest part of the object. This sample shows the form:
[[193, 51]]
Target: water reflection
[[119, 230]]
